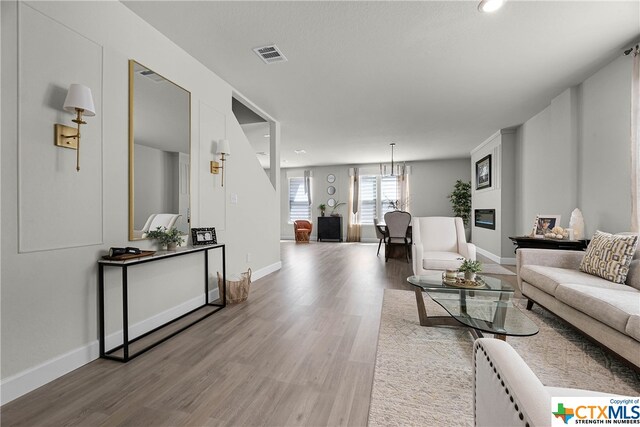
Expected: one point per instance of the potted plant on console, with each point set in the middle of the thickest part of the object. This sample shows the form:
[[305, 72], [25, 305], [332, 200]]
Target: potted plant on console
[[470, 268], [170, 238], [322, 208]]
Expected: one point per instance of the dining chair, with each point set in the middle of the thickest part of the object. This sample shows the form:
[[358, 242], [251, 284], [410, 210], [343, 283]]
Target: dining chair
[[397, 226], [379, 233]]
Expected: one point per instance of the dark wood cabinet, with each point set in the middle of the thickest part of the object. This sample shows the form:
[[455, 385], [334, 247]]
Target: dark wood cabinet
[[330, 228], [522, 242]]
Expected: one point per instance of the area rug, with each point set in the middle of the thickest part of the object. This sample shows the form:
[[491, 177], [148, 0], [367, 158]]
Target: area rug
[[423, 376], [496, 269]]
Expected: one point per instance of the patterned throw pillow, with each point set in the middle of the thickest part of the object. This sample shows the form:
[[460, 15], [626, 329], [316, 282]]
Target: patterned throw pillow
[[609, 256]]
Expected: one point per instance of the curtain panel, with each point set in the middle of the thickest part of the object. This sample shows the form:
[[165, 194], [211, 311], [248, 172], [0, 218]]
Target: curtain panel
[[353, 227], [635, 142]]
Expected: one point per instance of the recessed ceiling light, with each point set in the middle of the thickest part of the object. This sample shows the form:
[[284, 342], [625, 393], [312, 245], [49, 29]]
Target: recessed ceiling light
[[490, 5], [266, 135], [300, 151]]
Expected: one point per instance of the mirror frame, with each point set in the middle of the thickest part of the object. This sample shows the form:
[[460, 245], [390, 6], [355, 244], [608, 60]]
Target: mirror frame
[[132, 63]]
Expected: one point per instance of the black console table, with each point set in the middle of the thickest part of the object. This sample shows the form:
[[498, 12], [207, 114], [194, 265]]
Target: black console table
[[158, 256], [526, 242], [329, 228]]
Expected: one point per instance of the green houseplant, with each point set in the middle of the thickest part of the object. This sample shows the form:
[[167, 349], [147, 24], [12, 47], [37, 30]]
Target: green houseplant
[[470, 268], [170, 238], [461, 200], [322, 208], [337, 205]]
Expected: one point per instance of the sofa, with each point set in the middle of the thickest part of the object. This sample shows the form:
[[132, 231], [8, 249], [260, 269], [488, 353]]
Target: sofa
[[506, 391], [607, 312], [439, 243]]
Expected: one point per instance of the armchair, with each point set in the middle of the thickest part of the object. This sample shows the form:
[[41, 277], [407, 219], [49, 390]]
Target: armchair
[[506, 392], [156, 220], [438, 242], [302, 230]]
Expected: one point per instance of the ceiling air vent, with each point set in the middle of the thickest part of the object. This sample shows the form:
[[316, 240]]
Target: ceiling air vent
[[270, 54]]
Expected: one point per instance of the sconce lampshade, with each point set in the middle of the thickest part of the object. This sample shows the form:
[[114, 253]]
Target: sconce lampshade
[[223, 147], [79, 96]]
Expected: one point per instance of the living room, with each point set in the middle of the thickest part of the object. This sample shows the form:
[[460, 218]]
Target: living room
[[533, 84]]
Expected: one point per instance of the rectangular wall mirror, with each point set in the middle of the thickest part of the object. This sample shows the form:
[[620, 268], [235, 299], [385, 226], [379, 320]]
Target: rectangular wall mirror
[[159, 153]]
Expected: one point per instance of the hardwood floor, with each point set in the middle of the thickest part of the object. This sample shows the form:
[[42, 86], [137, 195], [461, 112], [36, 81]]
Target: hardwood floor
[[300, 351]]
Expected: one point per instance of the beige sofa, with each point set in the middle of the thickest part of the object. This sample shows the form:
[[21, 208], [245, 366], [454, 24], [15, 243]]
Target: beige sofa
[[607, 312]]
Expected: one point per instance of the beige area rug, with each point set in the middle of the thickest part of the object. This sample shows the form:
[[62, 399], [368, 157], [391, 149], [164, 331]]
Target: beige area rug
[[496, 269], [423, 375]]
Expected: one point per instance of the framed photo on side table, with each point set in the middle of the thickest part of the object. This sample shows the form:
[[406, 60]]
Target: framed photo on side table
[[483, 172], [544, 224], [203, 236]]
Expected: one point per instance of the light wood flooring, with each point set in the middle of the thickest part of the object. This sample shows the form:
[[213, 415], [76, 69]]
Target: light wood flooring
[[300, 351]]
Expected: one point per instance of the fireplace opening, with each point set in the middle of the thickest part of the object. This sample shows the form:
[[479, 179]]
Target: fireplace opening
[[485, 218]]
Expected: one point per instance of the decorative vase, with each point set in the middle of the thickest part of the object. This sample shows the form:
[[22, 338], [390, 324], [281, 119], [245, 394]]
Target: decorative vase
[[172, 246], [469, 275], [321, 213], [577, 224]]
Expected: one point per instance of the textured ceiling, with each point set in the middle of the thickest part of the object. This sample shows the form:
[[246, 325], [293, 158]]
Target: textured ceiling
[[437, 78]]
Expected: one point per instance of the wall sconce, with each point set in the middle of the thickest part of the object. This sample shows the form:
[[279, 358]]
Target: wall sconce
[[223, 150], [79, 101]]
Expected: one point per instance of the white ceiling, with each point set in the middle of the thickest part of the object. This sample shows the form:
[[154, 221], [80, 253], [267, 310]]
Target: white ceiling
[[435, 77]]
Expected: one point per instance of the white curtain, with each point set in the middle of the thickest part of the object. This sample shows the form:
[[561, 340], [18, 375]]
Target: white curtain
[[353, 227], [635, 142], [403, 191], [307, 185]]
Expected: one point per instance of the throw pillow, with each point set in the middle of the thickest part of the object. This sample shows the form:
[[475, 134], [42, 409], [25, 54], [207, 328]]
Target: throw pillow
[[609, 256]]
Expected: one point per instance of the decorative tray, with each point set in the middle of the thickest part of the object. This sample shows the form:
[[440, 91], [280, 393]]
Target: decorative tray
[[461, 282], [128, 256]]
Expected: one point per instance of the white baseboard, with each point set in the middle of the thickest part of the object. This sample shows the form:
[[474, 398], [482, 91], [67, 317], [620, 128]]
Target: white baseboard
[[496, 258], [23, 382], [260, 273], [26, 381]]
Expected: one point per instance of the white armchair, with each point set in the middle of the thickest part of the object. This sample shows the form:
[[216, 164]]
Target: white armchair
[[506, 392], [438, 242], [154, 221]]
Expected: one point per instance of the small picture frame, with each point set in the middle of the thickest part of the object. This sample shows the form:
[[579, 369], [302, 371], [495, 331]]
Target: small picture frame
[[203, 236], [544, 224], [483, 172]]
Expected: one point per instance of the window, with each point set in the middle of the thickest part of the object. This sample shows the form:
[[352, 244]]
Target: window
[[376, 193], [389, 190], [368, 199], [299, 207]]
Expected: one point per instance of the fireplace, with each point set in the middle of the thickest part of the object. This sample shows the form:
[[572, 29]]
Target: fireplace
[[485, 218]]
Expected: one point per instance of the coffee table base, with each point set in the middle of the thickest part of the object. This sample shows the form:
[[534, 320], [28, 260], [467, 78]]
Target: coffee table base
[[426, 320]]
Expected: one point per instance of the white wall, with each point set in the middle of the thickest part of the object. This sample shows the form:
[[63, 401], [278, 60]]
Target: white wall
[[49, 316], [605, 154], [499, 195], [576, 153], [430, 183]]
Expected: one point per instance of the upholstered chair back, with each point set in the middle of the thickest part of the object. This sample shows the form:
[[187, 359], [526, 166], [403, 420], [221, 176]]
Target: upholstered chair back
[[397, 223], [439, 233], [302, 224]]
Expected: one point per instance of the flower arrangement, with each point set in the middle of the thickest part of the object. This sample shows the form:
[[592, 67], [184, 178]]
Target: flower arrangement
[[470, 266], [165, 237], [322, 208]]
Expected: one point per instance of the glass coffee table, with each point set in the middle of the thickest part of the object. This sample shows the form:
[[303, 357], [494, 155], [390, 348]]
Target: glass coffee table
[[486, 308]]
